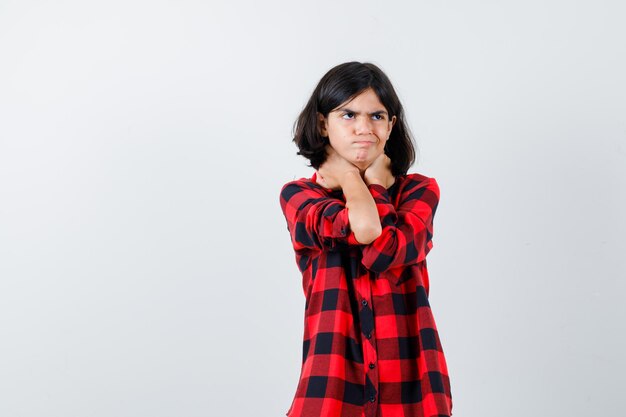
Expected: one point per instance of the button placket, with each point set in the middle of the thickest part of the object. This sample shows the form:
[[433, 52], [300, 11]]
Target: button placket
[[370, 353]]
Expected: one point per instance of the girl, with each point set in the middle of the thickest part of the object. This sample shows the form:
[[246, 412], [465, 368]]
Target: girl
[[361, 228]]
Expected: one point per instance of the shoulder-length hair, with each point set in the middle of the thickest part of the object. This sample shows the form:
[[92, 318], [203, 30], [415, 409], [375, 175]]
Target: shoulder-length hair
[[339, 85]]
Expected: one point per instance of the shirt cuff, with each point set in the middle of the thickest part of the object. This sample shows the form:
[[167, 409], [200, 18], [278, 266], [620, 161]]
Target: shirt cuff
[[342, 229], [379, 192], [341, 225]]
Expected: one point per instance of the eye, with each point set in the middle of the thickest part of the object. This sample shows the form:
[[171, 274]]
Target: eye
[[379, 117], [348, 115]]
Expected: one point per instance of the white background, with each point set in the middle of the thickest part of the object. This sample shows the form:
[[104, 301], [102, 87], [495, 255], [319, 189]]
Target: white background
[[146, 268]]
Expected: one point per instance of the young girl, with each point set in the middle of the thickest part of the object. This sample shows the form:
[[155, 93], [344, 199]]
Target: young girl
[[361, 228]]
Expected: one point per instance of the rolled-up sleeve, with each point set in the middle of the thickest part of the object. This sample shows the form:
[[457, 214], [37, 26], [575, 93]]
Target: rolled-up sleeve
[[407, 230], [315, 220]]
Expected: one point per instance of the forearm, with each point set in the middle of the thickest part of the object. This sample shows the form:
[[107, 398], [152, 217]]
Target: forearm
[[407, 232], [362, 211]]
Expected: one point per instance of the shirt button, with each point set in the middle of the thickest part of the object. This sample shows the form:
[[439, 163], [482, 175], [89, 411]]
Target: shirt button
[[372, 365], [372, 398], [364, 302], [369, 336]]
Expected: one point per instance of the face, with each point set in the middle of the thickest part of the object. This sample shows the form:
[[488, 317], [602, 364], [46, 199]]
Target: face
[[358, 129]]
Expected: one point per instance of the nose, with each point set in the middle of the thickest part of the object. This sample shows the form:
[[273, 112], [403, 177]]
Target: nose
[[363, 126]]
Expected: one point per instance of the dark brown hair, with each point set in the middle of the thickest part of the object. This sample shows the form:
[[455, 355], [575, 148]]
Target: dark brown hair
[[339, 85]]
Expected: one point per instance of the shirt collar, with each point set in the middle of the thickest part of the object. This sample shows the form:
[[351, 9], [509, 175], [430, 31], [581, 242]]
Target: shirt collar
[[314, 179]]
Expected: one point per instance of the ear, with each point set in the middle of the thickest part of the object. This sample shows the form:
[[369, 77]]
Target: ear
[[322, 124], [393, 120]]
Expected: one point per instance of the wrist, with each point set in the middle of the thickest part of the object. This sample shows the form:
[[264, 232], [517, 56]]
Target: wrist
[[372, 181], [387, 182], [349, 176]]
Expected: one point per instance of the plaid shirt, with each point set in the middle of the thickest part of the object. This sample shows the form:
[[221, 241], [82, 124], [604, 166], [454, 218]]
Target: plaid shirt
[[371, 346]]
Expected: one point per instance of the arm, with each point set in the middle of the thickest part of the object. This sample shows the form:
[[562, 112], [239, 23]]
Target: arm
[[407, 232], [314, 220], [362, 211], [338, 172]]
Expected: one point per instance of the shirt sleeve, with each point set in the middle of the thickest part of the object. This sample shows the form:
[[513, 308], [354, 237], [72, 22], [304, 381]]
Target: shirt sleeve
[[407, 231], [314, 220]]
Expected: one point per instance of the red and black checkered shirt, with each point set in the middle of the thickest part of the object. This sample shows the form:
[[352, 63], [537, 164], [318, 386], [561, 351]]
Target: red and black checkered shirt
[[371, 346]]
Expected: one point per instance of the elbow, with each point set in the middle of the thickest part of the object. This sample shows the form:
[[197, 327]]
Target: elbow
[[367, 235]]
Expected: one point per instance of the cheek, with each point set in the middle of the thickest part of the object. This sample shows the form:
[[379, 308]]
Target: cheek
[[383, 138], [334, 141], [339, 139]]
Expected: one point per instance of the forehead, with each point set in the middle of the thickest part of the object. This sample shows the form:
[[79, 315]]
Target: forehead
[[367, 100]]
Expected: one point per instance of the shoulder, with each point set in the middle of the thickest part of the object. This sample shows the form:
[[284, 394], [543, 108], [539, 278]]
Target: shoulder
[[416, 179], [301, 185], [416, 184]]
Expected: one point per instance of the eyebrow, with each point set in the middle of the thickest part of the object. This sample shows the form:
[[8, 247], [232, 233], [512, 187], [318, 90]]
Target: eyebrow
[[347, 110]]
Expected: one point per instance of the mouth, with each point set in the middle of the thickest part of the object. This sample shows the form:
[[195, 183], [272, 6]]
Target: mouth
[[364, 142]]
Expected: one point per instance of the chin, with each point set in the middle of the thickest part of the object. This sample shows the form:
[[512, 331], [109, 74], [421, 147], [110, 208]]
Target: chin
[[362, 164], [367, 161]]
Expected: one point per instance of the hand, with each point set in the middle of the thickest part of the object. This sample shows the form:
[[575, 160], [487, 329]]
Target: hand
[[379, 172], [331, 173]]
